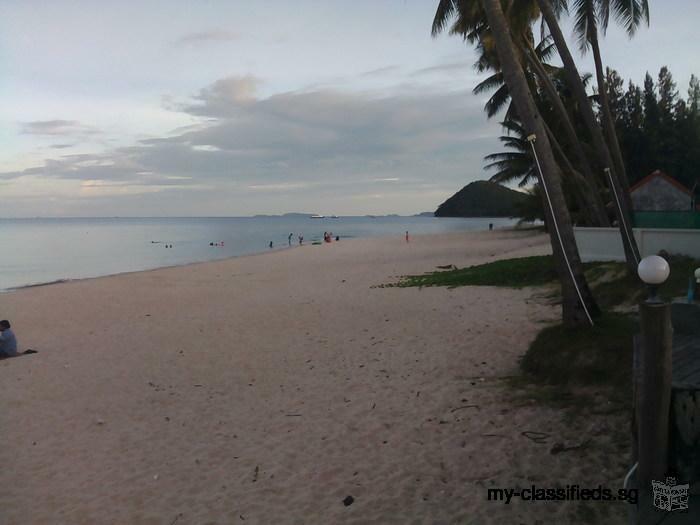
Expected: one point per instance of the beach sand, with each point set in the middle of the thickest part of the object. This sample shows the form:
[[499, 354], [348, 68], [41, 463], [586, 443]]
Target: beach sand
[[268, 388]]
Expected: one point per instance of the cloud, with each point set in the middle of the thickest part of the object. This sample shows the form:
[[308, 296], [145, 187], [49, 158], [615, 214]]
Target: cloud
[[449, 67], [55, 127], [206, 37], [284, 186], [380, 71], [329, 143], [224, 97]]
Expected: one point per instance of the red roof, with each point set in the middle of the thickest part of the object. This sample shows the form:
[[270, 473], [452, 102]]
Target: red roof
[[659, 173]]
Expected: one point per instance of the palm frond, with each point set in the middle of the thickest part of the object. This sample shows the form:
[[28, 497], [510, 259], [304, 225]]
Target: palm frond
[[630, 14], [585, 22], [505, 156], [545, 49], [515, 163], [586, 78], [497, 101], [513, 126], [446, 9], [488, 84]]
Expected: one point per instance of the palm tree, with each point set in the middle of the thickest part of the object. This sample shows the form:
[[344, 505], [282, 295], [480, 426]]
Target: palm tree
[[469, 23], [578, 305], [538, 75], [620, 196], [590, 16]]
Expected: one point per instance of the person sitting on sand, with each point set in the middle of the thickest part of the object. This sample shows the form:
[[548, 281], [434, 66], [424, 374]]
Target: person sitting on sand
[[8, 342]]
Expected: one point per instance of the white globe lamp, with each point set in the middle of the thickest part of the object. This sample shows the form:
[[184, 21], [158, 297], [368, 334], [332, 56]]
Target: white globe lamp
[[653, 270]]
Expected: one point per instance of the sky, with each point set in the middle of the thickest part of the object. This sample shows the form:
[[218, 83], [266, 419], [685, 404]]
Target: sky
[[231, 108]]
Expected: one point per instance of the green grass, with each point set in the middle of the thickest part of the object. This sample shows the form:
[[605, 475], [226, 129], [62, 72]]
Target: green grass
[[626, 288], [512, 273], [610, 283]]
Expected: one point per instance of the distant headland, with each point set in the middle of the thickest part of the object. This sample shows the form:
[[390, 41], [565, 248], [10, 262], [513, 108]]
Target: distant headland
[[482, 199]]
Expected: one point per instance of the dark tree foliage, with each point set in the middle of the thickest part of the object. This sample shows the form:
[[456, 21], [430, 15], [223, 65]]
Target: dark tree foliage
[[657, 126]]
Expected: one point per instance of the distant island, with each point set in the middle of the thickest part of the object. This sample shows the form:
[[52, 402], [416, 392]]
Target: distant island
[[482, 199]]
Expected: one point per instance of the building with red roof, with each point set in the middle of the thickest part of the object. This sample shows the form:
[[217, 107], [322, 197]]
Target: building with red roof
[[659, 192]]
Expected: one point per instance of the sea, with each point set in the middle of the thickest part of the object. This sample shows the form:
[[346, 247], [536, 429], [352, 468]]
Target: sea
[[39, 251]]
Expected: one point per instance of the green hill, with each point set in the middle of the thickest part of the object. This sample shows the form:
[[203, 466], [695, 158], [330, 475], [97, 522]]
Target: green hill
[[482, 199]]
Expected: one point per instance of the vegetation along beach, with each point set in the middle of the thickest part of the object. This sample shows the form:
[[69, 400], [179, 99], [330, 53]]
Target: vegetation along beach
[[315, 263]]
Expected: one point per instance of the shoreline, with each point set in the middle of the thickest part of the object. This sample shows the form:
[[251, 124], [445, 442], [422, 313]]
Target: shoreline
[[129, 272], [232, 257]]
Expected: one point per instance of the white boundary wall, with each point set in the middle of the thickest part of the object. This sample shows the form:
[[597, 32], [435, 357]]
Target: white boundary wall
[[605, 244]]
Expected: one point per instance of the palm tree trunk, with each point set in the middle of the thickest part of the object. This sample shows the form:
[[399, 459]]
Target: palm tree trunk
[[608, 122], [622, 211], [577, 300], [595, 202], [581, 189]]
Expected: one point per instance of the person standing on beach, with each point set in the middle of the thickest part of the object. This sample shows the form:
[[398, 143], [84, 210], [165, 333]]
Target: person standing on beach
[[289, 239], [270, 244], [406, 235], [8, 342]]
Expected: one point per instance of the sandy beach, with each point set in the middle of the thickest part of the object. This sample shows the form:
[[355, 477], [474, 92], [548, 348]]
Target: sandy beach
[[267, 389]]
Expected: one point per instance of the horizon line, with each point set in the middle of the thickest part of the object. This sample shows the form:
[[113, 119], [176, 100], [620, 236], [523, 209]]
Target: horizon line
[[256, 216]]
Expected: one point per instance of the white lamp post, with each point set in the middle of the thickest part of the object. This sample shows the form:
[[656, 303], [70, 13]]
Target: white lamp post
[[654, 270]]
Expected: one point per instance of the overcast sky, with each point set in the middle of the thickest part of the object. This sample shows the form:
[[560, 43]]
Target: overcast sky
[[162, 108]]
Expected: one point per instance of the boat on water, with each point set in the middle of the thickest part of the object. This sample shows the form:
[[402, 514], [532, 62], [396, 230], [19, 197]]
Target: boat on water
[[318, 217], [334, 217]]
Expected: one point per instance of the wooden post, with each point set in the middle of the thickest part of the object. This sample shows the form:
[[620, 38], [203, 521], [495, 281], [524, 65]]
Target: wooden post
[[654, 393]]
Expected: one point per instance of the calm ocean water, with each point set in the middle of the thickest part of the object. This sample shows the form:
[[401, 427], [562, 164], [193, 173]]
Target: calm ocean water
[[35, 251]]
